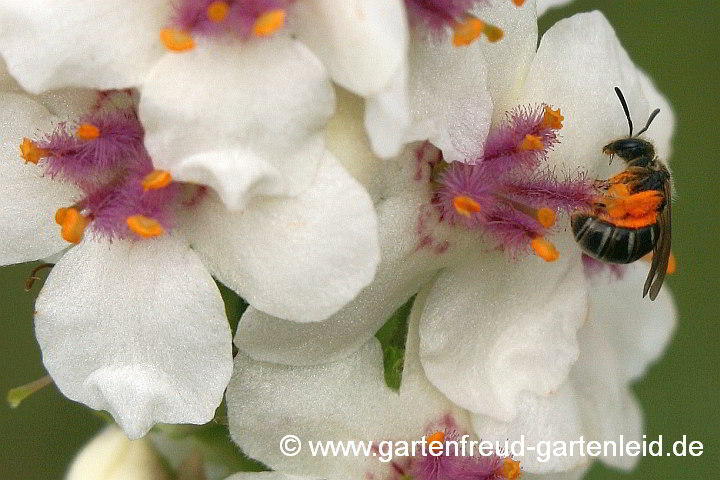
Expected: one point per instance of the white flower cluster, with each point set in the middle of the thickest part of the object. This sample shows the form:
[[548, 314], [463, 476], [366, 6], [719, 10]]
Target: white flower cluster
[[293, 159]]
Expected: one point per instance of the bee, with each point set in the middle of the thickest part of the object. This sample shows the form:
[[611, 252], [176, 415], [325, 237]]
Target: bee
[[631, 216]]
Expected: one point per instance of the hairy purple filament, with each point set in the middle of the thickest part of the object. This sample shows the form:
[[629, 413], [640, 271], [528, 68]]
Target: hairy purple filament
[[438, 15], [192, 16]]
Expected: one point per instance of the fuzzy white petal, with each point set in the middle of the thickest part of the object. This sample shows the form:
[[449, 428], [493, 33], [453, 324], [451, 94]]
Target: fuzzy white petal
[[578, 63], [492, 330], [508, 60], [639, 330], [100, 44], [662, 128], [402, 272], [299, 258], [362, 43], [552, 418], [387, 115], [137, 329], [246, 120], [342, 400], [29, 200], [450, 102]]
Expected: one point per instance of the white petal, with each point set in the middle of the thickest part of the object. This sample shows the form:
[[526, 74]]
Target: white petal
[[552, 418], [662, 128], [545, 5], [111, 456], [508, 60], [244, 120], [578, 63], [403, 271], [299, 258], [137, 329], [343, 400], [100, 44], [575, 474], [638, 329], [29, 200], [387, 116], [450, 103], [494, 329], [362, 43]]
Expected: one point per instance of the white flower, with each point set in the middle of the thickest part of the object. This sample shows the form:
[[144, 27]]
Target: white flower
[[137, 326], [111, 456], [227, 93], [348, 399]]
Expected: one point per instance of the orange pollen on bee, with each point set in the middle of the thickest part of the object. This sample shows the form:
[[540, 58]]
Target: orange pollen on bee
[[31, 153], [156, 180], [467, 31], [269, 22], [544, 249], [218, 11], [619, 190], [177, 40], [145, 227], [546, 217], [73, 224], [552, 118], [510, 469], [636, 205], [87, 131], [465, 206], [437, 437], [532, 142], [518, 3]]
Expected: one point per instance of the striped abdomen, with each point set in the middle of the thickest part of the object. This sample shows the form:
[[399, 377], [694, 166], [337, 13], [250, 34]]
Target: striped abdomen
[[610, 243]]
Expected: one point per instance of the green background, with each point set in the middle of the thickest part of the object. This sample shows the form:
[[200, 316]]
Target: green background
[[677, 43]]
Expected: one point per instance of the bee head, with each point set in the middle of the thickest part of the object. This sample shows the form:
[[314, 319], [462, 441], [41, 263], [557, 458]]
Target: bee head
[[630, 149]]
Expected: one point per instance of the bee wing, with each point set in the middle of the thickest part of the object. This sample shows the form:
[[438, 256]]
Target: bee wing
[[661, 252]]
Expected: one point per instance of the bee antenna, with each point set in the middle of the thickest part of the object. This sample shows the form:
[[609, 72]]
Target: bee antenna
[[625, 109], [650, 119]]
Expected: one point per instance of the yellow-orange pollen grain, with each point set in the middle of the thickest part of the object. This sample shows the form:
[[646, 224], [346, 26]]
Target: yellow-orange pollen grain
[[470, 28], [156, 180], [269, 22], [532, 142], [552, 118], [465, 206], [544, 249], [438, 437], [145, 227], [510, 469], [31, 153], [73, 224], [87, 131], [177, 40], [218, 11], [546, 217]]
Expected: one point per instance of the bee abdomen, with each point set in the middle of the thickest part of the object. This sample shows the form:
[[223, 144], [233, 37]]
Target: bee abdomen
[[610, 243]]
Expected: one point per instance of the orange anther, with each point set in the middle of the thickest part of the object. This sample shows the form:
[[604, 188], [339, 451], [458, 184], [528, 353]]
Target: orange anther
[[31, 153], [156, 180], [145, 227], [269, 22], [177, 40], [218, 11], [518, 3], [433, 440], [467, 31], [87, 131], [73, 225], [552, 118], [493, 33], [544, 249], [60, 215], [510, 469], [465, 205], [532, 142], [546, 217]]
